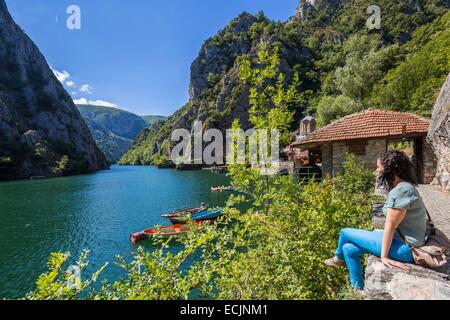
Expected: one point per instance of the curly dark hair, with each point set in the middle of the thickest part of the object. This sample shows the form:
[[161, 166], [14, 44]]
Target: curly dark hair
[[396, 163]]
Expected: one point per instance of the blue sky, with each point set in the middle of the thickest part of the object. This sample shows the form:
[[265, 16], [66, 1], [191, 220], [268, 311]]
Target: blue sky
[[134, 54]]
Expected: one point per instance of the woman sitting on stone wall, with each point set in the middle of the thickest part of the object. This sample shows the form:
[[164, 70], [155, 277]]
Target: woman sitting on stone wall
[[405, 211]]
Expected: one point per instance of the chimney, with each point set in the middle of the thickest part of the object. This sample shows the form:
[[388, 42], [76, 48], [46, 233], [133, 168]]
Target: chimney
[[307, 126], [404, 126]]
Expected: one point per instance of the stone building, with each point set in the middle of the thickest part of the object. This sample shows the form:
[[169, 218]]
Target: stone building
[[296, 155], [368, 134]]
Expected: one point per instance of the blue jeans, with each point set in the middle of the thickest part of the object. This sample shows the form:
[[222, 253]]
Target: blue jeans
[[354, 243]]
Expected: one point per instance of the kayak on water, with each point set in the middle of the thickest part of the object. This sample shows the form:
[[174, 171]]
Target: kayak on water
[[186, 211], [206, 215], [222, 188]]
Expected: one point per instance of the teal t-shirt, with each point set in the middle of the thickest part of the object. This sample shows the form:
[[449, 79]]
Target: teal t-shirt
[[414, 225]]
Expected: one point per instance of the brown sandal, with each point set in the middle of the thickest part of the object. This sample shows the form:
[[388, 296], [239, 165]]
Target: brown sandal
[[335, 261]]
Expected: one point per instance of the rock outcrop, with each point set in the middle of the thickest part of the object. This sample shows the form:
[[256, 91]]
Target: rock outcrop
[[384, 283], [39, 123], [217, 94], [308, 7], [439, 136]]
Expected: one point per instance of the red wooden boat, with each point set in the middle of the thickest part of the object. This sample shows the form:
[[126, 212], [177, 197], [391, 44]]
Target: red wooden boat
[[175, 230], [166, 232]]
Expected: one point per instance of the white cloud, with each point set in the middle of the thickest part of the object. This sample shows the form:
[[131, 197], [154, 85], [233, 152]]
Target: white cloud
[[61, 75], [100, 103], [64, 78], [103, 103], [86, 89], [81, 101]]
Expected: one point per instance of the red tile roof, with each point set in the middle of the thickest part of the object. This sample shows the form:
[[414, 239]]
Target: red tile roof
[[369, 124]]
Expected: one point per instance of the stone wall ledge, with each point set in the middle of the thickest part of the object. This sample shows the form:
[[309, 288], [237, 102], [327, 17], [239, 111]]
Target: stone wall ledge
[[384, 283]]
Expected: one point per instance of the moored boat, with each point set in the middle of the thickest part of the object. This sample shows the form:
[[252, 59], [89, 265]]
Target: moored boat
[[203, 216], [222, 188], [169, 231], [185, 212]]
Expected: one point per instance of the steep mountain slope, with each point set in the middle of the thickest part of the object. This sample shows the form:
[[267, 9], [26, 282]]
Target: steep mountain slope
[[151, 120], [415, 83], [217, 95], [114, 129], [314, 43], [39, 124], [112, 145]]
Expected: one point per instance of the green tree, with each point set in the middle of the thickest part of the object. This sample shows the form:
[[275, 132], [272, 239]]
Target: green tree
[[332, 108], [60, 284], [366, 63], [415, 83], [272, 100], [62, 166], [5, 161], [364, 67]]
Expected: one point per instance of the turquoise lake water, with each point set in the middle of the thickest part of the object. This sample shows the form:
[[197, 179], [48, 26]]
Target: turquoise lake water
[[96, 212]]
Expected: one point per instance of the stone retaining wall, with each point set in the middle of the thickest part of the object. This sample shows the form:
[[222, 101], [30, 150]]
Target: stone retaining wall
[[439, 136]]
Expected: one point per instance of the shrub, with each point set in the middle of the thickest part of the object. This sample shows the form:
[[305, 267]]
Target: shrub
[[355, 178], [57, 284], [5, 161], [62, 166]]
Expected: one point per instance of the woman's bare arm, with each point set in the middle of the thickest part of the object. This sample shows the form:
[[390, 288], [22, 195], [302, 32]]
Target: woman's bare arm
[[393, 220]]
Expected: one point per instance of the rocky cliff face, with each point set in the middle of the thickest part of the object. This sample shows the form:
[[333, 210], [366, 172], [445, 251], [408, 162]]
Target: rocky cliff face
[[39, 123], [214, 58], [217, 95], [439, 136], [307, 7]]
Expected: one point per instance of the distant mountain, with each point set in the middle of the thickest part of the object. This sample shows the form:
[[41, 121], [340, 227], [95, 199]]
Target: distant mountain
[[112, 145], [151, 120], [41, 130], [114, 129], [120, 122]]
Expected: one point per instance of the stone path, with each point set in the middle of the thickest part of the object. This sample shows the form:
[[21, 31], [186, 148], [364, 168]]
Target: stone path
[[438, 204]]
